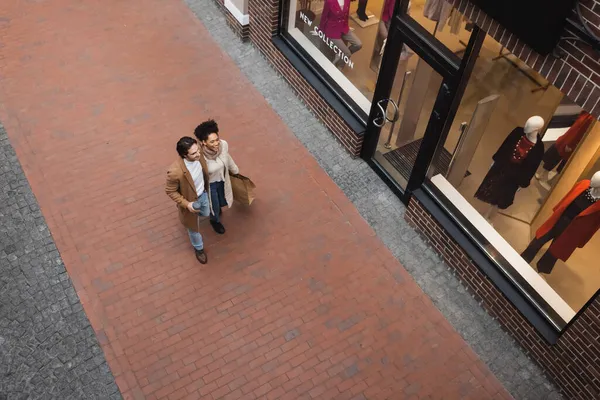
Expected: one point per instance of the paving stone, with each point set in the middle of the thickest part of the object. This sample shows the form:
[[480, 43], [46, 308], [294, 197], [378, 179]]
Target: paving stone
[[39, 344]]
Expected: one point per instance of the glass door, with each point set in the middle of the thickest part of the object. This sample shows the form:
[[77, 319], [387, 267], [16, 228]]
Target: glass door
[[414, 90], [417, 93]]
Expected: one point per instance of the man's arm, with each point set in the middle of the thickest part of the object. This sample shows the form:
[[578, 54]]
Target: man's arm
[[172, 190]]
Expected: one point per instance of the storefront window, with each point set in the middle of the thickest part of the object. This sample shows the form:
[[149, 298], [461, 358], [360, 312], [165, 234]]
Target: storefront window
[[521, 161], [342, 36]]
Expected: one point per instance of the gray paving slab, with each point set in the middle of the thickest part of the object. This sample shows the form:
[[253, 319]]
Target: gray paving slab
[[48, 349], [384, 212]]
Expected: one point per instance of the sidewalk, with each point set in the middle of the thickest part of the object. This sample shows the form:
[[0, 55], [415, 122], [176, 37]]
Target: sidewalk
[[300, 298]]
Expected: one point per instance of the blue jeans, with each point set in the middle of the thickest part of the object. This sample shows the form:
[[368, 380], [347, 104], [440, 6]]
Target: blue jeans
[[217, 197], [196, 237]]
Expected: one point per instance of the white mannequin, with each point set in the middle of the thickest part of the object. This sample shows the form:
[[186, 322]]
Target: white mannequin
[[595, 185], [532, 128]]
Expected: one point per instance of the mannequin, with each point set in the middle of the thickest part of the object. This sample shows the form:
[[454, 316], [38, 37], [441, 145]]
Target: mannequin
[[384, 27], [514, 164], [575, 220], [334, 24], [559, 153]]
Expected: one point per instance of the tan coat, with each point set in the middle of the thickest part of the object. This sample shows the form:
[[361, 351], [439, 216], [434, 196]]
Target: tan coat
[[181, 189], [230, 168]]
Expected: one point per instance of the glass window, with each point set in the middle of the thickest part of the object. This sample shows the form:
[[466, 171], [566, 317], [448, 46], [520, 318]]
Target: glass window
[[517, 164], [343, 36]]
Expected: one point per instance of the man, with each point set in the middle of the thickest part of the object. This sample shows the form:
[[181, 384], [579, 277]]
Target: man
[[187, 185]]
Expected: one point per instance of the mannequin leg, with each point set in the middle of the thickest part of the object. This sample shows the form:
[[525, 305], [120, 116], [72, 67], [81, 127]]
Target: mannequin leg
[[383, 30], [534, 247], [546, 263], [361, 10], [536, 244], [338, 61], [491, 213], [542, 176], [561, 166], [354, 43], [551, 160]]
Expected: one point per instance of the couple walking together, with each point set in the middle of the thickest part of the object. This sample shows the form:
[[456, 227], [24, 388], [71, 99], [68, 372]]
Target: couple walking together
[[199, 182]]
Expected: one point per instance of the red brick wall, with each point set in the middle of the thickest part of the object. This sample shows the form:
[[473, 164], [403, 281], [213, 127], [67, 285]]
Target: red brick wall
[[577, 73], [242, 31], [573, 363], [263, 26]]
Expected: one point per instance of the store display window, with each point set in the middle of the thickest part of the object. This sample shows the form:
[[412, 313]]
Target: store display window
[[518, 166], [521, 164]]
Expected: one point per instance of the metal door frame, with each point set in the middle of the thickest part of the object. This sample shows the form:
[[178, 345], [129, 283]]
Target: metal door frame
[[455, 74]]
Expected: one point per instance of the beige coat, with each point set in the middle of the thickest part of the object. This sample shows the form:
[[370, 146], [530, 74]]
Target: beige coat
[[230, 167], [181, 189]]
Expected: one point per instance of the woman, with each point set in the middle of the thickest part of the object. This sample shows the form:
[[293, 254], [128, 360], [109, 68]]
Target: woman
[[220, 165]]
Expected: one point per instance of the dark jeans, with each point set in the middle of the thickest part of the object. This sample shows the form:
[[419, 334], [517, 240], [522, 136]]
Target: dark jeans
[[546, 263], [217, 197]]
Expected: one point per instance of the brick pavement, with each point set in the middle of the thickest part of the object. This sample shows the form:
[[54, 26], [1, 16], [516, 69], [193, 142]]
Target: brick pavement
[[47, 347], [300, 299], [384, 212]]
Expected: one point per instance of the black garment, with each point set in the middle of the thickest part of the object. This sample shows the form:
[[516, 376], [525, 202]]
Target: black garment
[[552, 158], [361, 10], [547, 261], [505, 177]]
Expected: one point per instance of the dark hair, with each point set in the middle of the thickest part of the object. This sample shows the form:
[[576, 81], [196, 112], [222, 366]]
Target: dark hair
[[184, 144], [203, 130]]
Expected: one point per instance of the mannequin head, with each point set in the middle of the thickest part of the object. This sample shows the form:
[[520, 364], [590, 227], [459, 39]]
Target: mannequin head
[[595, 181], [534, 125]]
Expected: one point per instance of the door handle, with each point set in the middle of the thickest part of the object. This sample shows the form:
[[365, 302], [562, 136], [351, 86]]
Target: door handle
[[383, 118]]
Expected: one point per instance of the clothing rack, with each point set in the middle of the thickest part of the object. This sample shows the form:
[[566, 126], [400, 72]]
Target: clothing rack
[[504, 55]]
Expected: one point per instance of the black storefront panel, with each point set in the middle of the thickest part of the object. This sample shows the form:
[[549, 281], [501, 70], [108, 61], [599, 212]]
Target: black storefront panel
[[539, 23]]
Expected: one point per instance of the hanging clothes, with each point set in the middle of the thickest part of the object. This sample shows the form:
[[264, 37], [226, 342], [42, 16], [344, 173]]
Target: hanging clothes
[[579, 228], [455, 21], [433, 9], [515, 163], [569, 141]]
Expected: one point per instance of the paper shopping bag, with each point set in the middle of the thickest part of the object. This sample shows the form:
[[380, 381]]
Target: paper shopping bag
[[243, 189]]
